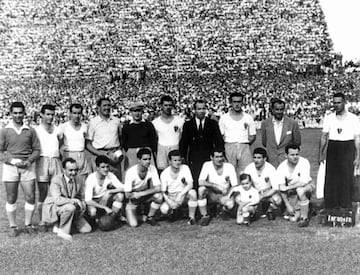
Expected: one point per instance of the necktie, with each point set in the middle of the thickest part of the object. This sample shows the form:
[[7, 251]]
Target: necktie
[[200, 128], [71, 187]]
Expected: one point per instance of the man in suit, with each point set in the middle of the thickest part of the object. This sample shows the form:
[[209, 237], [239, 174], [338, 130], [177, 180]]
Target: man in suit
[[65, 205], [278, 131], [200, 136]]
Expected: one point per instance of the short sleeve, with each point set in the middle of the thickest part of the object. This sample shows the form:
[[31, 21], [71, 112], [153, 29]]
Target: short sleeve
[[326, 124], [252, 127]]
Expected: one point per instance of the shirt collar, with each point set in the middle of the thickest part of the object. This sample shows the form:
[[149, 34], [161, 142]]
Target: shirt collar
[[11, 125], [277, 122], [67, 179], [104, 119]]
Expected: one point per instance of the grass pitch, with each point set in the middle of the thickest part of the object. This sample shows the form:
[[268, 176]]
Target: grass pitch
[[266, 247]]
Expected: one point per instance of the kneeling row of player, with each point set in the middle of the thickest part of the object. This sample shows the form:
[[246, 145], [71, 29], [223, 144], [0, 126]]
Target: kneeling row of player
[[218, 183]]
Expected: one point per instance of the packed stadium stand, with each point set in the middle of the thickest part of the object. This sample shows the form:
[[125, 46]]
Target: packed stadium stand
[[77, 50]]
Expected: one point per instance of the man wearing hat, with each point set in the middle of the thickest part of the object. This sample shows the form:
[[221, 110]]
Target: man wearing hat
[[136, 134], [103, 137]]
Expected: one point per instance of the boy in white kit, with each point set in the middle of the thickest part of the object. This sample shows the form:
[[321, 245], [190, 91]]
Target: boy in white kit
[[215, 180], [49, 164], [74, 134], [168, 128], [247, 198], [263, 175], [176, 186]]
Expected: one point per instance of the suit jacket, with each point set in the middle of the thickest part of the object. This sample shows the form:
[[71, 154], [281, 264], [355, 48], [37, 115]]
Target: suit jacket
[[290, 135], [196, 148], [58, 196]]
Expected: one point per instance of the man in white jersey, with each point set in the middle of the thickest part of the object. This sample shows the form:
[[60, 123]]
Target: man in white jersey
[[74, 133], [239, 132], [49, 164], [142, 186], [263, 175], [104, 193], [215, 180], [341, 137], [168, 128], [295, 184], [177, 187]]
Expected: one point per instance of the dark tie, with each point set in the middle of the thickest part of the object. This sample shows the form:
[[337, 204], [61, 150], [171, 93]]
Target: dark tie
[[200, 128], [71, 187]]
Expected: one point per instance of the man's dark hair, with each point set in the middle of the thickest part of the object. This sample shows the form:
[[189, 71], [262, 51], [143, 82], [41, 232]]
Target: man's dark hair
[[47, 107], [236, 94], [77, 106], [143, 151], [174, 153], [101, 159], [291, 146], [199, 101], [17, 104], [260, 151], [339, 94], [166, 98], [275, 100], [217, 150], [100, 100], [71, 160]]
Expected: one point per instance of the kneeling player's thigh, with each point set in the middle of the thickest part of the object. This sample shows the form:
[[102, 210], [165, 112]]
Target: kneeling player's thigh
[[191, 195], [250, 208], [276, 199], [214, 197]]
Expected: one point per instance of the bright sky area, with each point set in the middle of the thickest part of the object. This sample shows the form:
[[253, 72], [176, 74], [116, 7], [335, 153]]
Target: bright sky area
[[343, 21]]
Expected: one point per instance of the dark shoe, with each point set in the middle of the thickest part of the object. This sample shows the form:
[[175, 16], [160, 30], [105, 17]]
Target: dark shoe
[[30, 229], [224, 215], [151, 221], [246, 221], [42, 228], [205, 220], [303, 222], [14, 232], [270, 216], [191, 221]]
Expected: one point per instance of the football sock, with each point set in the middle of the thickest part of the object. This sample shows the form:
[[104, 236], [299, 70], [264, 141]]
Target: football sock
[[29, 212], [11, 213], [304, 209], [202, 207], [192, 208], [153, 208]]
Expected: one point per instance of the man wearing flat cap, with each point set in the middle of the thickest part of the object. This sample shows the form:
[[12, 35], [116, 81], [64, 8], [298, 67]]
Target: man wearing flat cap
[[136, 134]]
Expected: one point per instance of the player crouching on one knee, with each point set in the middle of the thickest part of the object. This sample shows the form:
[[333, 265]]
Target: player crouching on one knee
[[104, 193], [176, 186], [247, 199], [295, 184], [264, 177], [216, 178], [142, 186]]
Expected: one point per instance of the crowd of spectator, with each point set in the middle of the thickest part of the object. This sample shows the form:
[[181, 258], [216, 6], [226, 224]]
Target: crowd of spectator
[[79, 50], [84, 38], [307, 97]]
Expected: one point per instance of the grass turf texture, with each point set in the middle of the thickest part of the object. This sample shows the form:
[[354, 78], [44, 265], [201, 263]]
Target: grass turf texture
[[266, 247]]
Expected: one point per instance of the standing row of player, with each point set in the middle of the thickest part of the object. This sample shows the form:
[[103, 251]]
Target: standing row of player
[[197, 139]]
